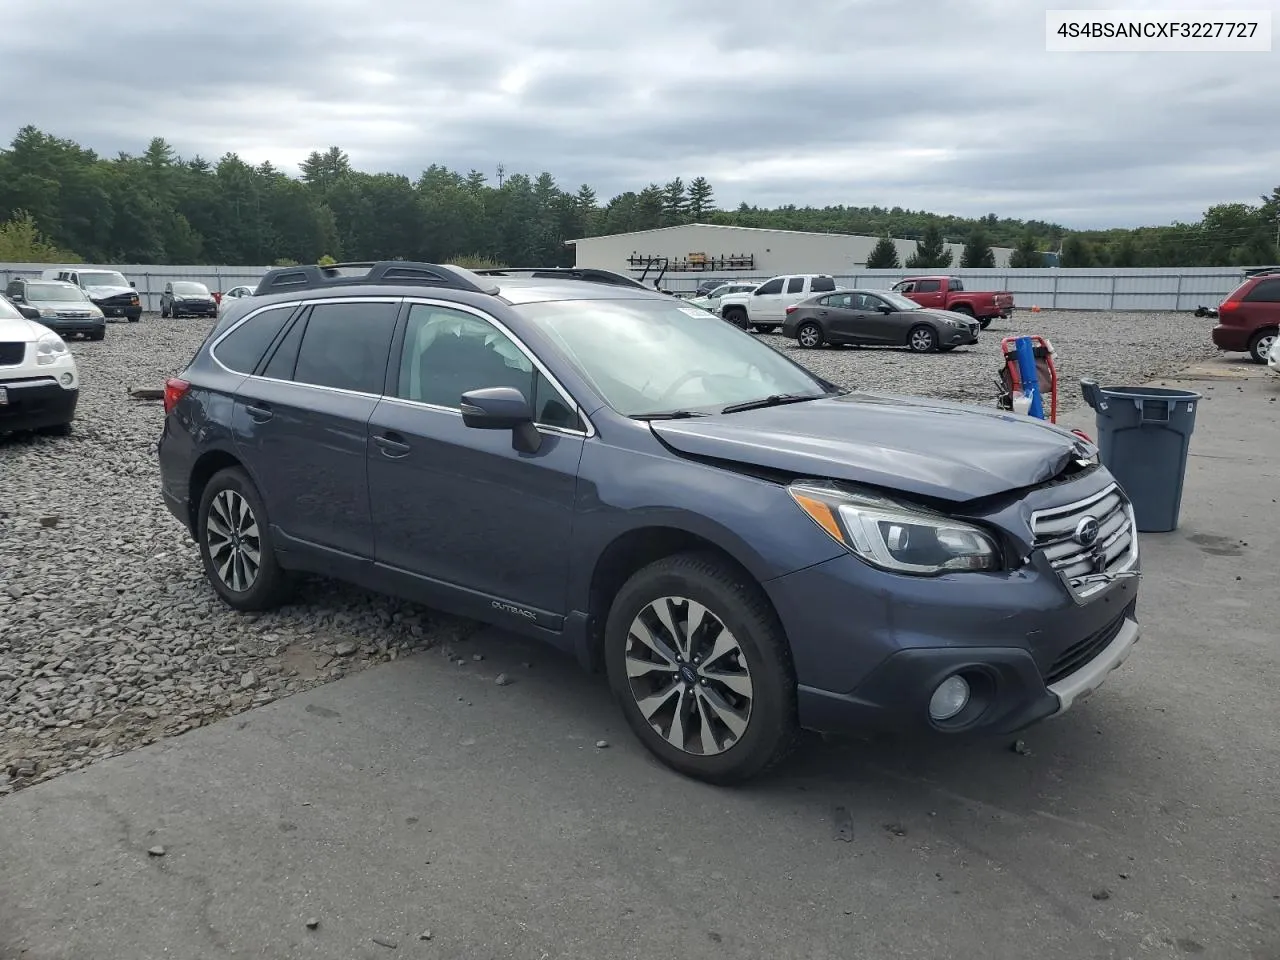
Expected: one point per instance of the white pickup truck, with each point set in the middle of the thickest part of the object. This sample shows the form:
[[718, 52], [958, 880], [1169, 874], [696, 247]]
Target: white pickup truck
[[765, 307]]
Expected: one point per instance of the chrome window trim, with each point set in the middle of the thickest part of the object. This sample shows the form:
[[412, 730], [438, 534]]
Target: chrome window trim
[[520, 345]]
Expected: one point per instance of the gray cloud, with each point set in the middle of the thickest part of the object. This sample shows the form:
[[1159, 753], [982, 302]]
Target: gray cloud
[[948, 105]]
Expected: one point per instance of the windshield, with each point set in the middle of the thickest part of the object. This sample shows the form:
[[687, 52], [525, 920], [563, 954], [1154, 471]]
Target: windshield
[[729, 288], [53, 291], [191, 289], [897, 300], [647, 357], [104, 278]]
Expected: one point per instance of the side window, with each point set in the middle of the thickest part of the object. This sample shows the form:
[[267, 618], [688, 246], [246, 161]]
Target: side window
[[795, 285], [772, 287], [448, 352], [821, 284], [906, 288], [1268, 291], [345, 346], [550, 408], [243, 348], [285, 358], [928, 286], [955, 285]]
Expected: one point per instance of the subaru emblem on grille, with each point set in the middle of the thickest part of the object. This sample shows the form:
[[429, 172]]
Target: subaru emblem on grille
[[1086, 532]]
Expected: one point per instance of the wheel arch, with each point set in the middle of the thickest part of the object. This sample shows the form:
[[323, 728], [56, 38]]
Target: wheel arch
[[203, 470]]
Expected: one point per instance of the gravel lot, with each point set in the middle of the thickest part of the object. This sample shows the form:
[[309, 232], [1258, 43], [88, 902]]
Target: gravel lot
[[110, 638]]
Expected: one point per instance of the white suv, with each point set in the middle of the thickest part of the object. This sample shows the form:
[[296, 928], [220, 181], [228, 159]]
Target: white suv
[[39, 383]]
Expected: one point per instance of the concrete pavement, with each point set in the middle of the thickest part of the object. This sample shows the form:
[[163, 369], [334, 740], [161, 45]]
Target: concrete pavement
[[420, 796]]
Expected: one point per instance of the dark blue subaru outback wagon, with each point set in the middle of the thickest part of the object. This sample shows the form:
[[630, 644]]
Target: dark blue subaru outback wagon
[[745, 548]]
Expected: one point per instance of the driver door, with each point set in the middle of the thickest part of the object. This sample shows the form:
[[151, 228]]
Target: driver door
[[767, 302], [874, 324]]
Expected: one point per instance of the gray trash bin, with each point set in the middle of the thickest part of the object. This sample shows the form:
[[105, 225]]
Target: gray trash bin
[[1144, 434]]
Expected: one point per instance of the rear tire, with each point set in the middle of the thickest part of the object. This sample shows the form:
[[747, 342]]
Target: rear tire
[[809, 335], [922, 339], [1261, 344], [234, 535], [719, 703], [966, 310]]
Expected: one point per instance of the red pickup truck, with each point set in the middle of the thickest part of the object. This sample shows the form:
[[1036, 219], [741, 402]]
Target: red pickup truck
[[948, 293]]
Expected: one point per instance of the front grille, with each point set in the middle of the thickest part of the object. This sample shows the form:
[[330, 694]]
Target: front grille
[[74, 315], [1061, 533], [1079, 654], [11, 354]]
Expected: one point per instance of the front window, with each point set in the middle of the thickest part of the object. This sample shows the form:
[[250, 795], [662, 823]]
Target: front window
[[648, 357], [190, 290], [103, 278], [46, 292]]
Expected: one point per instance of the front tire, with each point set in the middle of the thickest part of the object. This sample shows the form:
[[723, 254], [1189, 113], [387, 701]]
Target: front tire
[[737, 316], [234, 535], [984, 322], [1260, 345], [700, 666], [809, 335], [922, 339]]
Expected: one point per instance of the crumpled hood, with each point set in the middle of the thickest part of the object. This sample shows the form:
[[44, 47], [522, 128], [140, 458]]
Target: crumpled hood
[[102, 293], [947, 451]]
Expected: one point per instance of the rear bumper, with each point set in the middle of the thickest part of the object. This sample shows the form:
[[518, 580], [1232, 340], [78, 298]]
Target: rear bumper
[[1233, 339], [35, 403]]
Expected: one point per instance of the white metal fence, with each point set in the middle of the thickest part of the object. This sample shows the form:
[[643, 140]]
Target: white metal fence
[[1155, 288]]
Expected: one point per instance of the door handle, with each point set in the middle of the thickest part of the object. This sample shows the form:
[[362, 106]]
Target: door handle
[[259, 413], [392, 445], [822, 313]]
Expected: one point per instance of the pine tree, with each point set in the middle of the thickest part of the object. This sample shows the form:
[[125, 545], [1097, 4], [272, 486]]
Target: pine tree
[[931, 251], [675, 203], [977, 250], [884, 255], [701, 198], [1027, 252]]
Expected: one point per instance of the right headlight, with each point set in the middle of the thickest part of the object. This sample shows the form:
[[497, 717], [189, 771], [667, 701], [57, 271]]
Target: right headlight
[[894, 536]]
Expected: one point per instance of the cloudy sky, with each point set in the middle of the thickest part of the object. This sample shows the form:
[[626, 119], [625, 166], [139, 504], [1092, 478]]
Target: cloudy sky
[[952, 106]]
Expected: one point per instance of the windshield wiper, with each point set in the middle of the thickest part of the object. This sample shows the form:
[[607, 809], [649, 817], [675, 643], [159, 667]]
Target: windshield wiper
[[670, 415], [774, 400]]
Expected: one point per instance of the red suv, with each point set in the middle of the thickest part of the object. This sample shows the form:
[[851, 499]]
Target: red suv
[[1249, 318]]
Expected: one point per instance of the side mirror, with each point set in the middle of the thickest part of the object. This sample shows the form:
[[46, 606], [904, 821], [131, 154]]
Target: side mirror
[[502, 408], [885, 308], [132, 284], [17, 298]]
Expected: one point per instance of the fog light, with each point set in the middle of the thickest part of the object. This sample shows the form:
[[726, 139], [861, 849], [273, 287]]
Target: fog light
[[67, 379], [950, 698]]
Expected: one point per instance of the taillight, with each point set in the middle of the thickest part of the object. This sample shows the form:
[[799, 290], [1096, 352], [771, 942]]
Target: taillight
[[792, 309], [174, 390]]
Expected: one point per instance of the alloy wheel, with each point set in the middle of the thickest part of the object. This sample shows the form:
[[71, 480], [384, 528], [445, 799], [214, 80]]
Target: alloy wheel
[[922, 340], [1262, 348], [810, 335], [234, 541], [689, 676]]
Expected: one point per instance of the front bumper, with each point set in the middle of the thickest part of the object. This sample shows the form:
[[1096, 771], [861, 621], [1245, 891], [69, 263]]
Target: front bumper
[[194, 309], [61, 326], [132, 311], [1029, 650], [36, 402], [960, 336]]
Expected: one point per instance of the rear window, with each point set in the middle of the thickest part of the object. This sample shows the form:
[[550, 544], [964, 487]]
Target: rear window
[[928, 286], [345, 346], [1267, 291]]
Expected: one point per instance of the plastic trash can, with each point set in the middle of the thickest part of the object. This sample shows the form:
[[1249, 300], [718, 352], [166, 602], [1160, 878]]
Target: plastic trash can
[[1144, 434]]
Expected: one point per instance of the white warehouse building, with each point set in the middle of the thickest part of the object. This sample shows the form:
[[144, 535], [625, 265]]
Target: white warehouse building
[[708, 250]]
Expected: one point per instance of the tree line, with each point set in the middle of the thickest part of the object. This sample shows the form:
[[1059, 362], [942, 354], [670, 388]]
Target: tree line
[[60, 201]]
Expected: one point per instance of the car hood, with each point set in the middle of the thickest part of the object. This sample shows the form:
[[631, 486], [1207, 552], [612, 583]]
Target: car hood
[[947, 314], [111, 291], [84, 305], [20, 330], [738, 298], [944, 451]]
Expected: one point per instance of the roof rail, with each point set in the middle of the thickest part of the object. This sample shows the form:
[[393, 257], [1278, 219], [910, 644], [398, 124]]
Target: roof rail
[[1261, 271], [369, 272], [588, 274]]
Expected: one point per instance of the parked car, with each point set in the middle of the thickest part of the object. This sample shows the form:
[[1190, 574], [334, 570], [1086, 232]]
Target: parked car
[[712, 300], [236, 293], [706, 286], [60, 306], [39, 382], [1249, 318], [108, 289], [948, 293], [187, 298], [659, 493], [877, 318], [1273, 357], [764, 308]]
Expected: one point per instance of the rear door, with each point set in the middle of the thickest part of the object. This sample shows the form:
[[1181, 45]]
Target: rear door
[[301, 423], [836, 313], [929, 293], [458, 511]]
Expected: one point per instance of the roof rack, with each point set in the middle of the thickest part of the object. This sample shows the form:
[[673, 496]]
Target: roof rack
[[1261, 271], [587, 274], [369, 272]]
